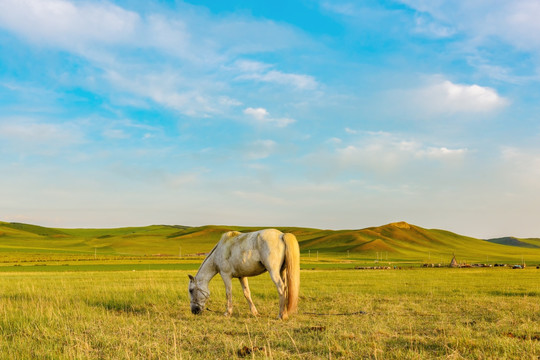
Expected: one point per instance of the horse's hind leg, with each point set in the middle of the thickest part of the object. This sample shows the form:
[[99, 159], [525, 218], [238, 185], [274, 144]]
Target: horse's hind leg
[[280, 285], [247, 294]]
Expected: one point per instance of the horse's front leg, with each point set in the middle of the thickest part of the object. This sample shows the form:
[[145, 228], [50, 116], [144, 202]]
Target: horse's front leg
[[227, 280], [247, 294]]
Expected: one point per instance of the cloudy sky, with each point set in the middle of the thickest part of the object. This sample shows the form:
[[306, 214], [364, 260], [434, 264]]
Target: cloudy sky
[[327, 114]]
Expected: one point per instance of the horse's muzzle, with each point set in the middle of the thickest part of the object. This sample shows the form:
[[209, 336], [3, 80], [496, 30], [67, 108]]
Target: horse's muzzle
[[196, 310]]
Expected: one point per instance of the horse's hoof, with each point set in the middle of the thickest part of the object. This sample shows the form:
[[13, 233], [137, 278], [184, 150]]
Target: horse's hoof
[[227, 314]]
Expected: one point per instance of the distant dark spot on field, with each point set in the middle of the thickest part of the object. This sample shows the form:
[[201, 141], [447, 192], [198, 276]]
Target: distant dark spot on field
[[245, 351], [535, 337], [311, 329], [17, 297], [514, 293]]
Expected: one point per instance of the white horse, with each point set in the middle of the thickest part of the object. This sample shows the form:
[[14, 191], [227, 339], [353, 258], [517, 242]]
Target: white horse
[[238, 255]]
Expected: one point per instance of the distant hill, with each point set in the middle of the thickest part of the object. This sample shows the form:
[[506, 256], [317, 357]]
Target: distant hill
[[393, 241], [512, 241], [406, 241]]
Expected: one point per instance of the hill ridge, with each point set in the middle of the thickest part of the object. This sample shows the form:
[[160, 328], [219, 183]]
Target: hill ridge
[[399, 239], [512, 241]]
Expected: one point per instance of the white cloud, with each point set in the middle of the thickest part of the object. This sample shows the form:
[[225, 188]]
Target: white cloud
[[447, 97], [384, 152], [299, 81], [262, 116], [259, 114], [69, 25], [190, 33], [172, 59], [441, 153], [515, 22]]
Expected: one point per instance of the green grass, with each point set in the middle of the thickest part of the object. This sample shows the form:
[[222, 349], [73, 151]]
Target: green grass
[[409, 314]]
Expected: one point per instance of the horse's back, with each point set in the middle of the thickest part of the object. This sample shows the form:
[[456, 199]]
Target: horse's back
[[270, 236], [253, 240], [249, 254]]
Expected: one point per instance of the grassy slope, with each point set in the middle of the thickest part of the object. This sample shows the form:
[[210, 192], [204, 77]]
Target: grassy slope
[[395, 241], [512, 241]]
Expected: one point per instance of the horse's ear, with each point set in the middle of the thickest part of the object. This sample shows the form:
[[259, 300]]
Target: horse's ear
[[191, 278]]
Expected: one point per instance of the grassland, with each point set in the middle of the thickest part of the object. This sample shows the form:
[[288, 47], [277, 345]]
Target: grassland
[[406, 314], [121, 294]]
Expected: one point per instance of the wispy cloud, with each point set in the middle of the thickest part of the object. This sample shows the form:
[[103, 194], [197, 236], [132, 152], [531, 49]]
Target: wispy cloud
[[261, 72], [262, 116], [115, 134], [259, 149], [513, 21], [173, 60], [341, 8], [167, 89], [427, 26], [481, 27], [383, 153], [298, 81], [69, 25], [37, 136]]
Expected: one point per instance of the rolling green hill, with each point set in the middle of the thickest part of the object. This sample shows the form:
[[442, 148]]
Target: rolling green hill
[[396, 241], [512, 241]]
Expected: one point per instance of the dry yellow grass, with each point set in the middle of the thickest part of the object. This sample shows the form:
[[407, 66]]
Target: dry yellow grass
[[409, 314]]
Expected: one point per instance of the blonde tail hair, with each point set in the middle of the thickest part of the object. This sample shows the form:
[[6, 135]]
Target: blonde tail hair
[[292, 266]]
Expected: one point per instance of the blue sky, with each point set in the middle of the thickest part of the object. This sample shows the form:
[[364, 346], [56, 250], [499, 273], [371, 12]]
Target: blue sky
[[327, 114]]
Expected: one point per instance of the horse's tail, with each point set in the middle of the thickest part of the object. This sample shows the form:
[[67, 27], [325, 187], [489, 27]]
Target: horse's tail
[[292, 265]]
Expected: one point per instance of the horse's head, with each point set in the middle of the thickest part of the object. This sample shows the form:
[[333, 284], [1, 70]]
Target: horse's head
[[198, 295]]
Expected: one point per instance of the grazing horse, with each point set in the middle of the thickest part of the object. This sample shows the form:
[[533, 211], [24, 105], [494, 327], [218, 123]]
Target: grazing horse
[[239, 255]]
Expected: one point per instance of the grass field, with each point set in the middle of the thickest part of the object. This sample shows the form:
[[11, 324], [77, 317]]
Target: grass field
[[122, 294], [144, 314]]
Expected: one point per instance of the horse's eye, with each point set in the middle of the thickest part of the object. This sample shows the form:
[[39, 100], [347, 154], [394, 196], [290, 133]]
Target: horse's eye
[[191, 291]]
